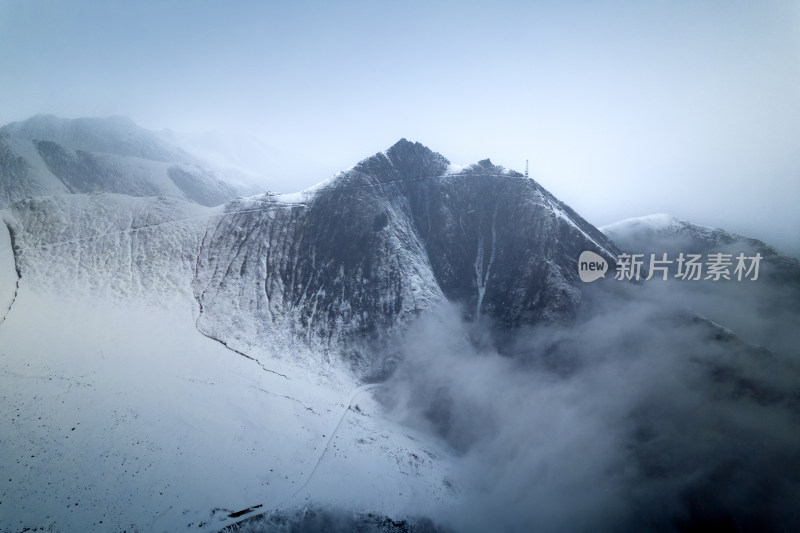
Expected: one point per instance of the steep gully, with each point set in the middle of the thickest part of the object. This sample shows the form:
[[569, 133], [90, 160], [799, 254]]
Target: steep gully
[[7, 247]]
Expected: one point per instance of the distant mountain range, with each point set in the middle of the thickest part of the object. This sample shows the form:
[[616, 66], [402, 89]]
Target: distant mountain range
[[661, 233], [47, 155]]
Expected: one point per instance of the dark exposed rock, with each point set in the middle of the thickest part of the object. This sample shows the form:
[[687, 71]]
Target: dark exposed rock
[[388, 238]]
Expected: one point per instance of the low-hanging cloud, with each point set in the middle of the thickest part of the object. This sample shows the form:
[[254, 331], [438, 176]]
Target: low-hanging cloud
[[636, 417]]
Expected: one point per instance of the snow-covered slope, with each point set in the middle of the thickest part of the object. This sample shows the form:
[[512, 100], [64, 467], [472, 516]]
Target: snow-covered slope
[[113, 135], [346, 262], [107, 244], [164, 364], [760, 311], [662, 233], [337, 267], [118, 414], [658, 229], [47, 155], [123, 417]]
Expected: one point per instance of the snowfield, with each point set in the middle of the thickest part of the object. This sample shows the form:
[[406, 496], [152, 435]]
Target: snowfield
[[116, 413], [408, 342], [166, 365]]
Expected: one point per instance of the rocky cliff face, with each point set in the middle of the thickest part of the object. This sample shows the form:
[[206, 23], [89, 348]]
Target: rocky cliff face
[[344, 262], [337, 265], [390, 237]]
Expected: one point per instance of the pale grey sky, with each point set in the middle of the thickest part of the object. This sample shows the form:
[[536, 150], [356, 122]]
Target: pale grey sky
[[623, 108]]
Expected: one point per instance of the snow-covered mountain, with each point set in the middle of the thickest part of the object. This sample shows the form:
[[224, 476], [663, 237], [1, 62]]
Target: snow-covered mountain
[[167, 365], [295, 288], [345, 261], [47, 155], [662, 233], [759, 311], [384, 240]]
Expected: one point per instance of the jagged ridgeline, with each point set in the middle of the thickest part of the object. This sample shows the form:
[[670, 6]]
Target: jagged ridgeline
[[394, 235], [348, 260]]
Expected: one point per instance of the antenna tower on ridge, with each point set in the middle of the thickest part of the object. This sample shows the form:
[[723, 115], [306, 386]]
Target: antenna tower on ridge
[[526, 168]]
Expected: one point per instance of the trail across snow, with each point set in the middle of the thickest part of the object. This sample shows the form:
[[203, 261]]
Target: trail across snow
[[283, 503], [118, 413], [353, 395]]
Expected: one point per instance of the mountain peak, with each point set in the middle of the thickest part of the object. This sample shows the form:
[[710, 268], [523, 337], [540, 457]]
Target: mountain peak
[[416, 158], [404, 160], [403, 142]]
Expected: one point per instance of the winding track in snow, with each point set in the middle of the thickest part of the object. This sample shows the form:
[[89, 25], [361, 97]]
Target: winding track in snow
[[346, 408], [353, 394]]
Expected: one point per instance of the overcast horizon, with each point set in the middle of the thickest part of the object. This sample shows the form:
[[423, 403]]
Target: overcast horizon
[[623, 109]]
